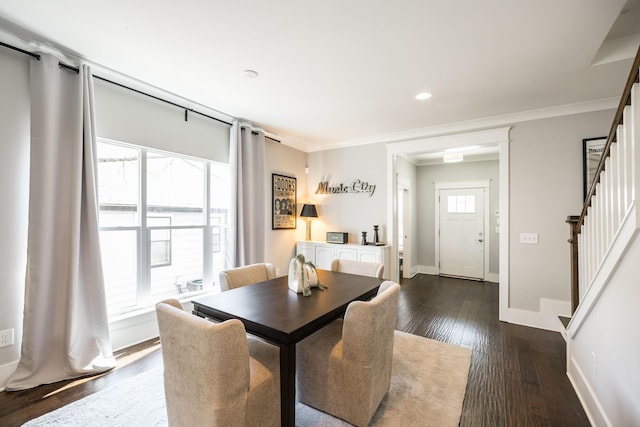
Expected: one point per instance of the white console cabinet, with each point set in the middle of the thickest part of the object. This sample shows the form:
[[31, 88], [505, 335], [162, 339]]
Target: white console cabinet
[[321, 253]]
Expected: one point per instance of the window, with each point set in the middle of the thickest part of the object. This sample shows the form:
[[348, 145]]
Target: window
[[461, 204], [157, 240]]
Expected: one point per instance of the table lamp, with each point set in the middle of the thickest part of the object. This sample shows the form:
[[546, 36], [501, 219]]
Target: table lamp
[[309, 212]]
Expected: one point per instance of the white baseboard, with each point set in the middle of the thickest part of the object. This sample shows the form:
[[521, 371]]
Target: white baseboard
[[590, 403], [546, 318], [427, 269], [5, 373], [433, 270], [136, 329], [492, 277]]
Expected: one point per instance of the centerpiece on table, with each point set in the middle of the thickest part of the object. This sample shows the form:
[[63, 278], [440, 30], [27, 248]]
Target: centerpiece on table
[[303, 276]]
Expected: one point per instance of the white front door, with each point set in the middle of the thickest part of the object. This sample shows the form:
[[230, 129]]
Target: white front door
[[462, 232]]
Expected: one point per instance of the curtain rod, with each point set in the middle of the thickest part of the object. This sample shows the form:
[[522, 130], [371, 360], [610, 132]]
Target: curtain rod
[[77, 70]]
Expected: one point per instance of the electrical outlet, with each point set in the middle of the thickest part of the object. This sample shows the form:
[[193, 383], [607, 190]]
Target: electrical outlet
[[6, 337]]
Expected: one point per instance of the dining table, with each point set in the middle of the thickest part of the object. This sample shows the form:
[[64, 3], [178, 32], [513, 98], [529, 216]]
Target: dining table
[[273, 312]]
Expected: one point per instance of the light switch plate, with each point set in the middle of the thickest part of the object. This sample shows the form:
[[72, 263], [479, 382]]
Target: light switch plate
[[529, 238]]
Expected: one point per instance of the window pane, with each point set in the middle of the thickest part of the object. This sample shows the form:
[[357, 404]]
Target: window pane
[[184, 274], [175, 187], [470, 204], [119, 260], [118, 185], [452, 204], [159, 241]]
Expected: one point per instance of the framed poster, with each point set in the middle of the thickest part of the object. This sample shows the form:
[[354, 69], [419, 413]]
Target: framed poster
[[283, 202], [592, 149]]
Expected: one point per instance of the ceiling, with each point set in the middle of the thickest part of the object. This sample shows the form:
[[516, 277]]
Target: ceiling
[[335, 72]]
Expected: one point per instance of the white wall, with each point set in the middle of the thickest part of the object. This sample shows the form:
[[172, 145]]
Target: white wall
[[351, 213], [469, 171], [603, 357], [280, 244], [546, 187], [14, 193]]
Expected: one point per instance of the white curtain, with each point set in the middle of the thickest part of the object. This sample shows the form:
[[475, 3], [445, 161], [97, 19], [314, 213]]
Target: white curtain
[[247, 217], [65, 326]]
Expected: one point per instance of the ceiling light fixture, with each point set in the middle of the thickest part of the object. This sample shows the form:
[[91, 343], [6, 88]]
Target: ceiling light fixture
[[452, 157], [423, 95], [250, 74]]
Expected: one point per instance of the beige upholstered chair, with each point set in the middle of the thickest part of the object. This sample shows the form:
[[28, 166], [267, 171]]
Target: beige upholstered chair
[[247, 275], [358, 267], [344, 369], [215, 375]]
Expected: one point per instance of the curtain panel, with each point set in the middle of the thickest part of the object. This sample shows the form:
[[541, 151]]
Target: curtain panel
[[247, 216], [65, 325]]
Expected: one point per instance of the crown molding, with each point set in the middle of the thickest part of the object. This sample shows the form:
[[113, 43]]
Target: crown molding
[[479, 124]]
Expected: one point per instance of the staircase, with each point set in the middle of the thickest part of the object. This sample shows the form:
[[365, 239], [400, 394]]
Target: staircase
[[603, 342]]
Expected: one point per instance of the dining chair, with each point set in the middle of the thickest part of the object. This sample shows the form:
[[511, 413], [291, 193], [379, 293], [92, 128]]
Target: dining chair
[[246, 275], [344, 369], [214, 374], [358, 267]]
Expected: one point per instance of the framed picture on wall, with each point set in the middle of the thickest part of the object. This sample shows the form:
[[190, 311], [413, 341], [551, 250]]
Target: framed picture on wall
[[283, 202], [592, 149]]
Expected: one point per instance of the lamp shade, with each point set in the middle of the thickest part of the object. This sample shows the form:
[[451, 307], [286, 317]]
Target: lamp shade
[[309, 211]]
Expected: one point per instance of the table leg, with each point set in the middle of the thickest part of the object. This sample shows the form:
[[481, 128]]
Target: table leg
[[288, 385]]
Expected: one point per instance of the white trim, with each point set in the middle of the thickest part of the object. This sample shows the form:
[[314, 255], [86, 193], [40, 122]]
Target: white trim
[[586, 395], [485, 185], [493, 277], [546, 318], [498, 136], [503, 208], [426, 269], [462, 184]]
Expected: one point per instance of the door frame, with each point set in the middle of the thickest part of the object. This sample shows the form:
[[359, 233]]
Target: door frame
[[499, 136], [485, 185]]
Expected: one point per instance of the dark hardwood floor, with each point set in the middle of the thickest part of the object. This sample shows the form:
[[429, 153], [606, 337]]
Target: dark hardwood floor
[[517, 375]]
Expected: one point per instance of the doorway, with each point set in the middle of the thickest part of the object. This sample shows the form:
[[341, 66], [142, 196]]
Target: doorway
[[405, 266], [461, 223], [440, 143]]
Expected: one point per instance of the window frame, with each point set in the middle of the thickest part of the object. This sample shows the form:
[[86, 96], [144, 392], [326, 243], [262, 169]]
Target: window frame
[[144, 296]]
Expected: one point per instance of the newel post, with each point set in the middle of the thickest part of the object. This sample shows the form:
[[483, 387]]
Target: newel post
[[573, 223]]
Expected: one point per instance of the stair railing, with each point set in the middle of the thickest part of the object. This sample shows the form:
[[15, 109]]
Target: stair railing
[[611, 194]]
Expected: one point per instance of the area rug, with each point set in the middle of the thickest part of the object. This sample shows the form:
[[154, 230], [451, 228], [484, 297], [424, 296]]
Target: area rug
[[428, 384]]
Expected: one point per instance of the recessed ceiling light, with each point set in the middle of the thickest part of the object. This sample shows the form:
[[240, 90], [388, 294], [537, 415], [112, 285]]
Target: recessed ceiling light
[[452, 157], [423, 95], [251, 74]]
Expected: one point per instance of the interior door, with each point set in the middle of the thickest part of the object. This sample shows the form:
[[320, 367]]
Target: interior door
[[461, 226]]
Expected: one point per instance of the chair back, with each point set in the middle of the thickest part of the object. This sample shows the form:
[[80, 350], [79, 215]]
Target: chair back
[[362, 268], [247, 275], [206, 368], [367, 332]]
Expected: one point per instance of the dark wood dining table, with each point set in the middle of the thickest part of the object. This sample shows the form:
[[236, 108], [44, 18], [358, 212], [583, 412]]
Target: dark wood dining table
[[271, 311]]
